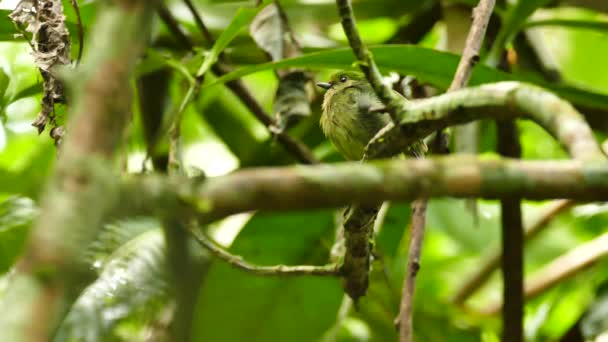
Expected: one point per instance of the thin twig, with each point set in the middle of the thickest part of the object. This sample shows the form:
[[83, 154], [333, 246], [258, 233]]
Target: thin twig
[[470, 56], [298, 149], [406, 310], [492, 260], [237, 261], [561, 269], [200, 24]]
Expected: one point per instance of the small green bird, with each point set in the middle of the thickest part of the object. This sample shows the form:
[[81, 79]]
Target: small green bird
[[347, 120]]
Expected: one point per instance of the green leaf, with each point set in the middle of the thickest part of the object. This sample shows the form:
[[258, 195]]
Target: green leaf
[[393, 229], [7, 28], [16, 217], [515, 18], [242, 18], [570, 23], [133, 282], [434, 67], [236, 306]]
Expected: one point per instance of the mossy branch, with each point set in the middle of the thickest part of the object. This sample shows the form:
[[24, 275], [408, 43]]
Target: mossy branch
[[502, 100], [323, 186]]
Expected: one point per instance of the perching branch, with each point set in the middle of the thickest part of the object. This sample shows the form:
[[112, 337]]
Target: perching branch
[[237, 262], [393, 102], [492, 259], [502, 100], [562, 269], [323, 186], [51, 273]]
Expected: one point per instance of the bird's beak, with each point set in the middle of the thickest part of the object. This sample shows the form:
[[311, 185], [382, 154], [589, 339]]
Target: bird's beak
[[324, 85]]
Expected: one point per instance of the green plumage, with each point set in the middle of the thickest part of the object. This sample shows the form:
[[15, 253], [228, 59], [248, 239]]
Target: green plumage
[[346, 119]]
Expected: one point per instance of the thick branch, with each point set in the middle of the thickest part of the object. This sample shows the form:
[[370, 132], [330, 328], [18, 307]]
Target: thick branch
[[322, 186], [51, 273], [503, 100]]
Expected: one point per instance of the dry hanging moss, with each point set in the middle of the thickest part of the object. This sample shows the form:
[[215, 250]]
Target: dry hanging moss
[[43, 24]]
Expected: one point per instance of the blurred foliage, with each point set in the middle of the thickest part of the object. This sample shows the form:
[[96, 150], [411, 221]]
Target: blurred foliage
[[131, 298]]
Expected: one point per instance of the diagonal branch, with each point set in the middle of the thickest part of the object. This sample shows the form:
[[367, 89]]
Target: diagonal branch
[[393, 102], [561, 269], [492, 260]]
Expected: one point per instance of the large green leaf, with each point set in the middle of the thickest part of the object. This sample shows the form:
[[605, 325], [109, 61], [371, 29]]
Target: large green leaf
[[236, 306], [133, 282], [431, 66]]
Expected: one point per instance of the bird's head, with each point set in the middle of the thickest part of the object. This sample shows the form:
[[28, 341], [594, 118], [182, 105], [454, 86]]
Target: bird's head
[[342, 80]]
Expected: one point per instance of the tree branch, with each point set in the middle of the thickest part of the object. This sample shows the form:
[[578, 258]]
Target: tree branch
[[393, 101], [492, 259], [512, 238], [502, 100], [308, 187], [406, 309], [237, 262], [470, 56], [51, 274]]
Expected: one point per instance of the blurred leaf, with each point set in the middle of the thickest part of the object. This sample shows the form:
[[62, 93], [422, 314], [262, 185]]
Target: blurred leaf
[[241, 19], [271, 308], [4, 81], [133, 282], [395, 225], [16, 217], [516, 16], [291, 102], [32, 90], [271, 34], [434, 67], [570, 23], [595, 321], [7, 28], [372, 31]]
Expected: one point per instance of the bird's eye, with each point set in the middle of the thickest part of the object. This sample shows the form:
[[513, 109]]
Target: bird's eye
[[343, 79]]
